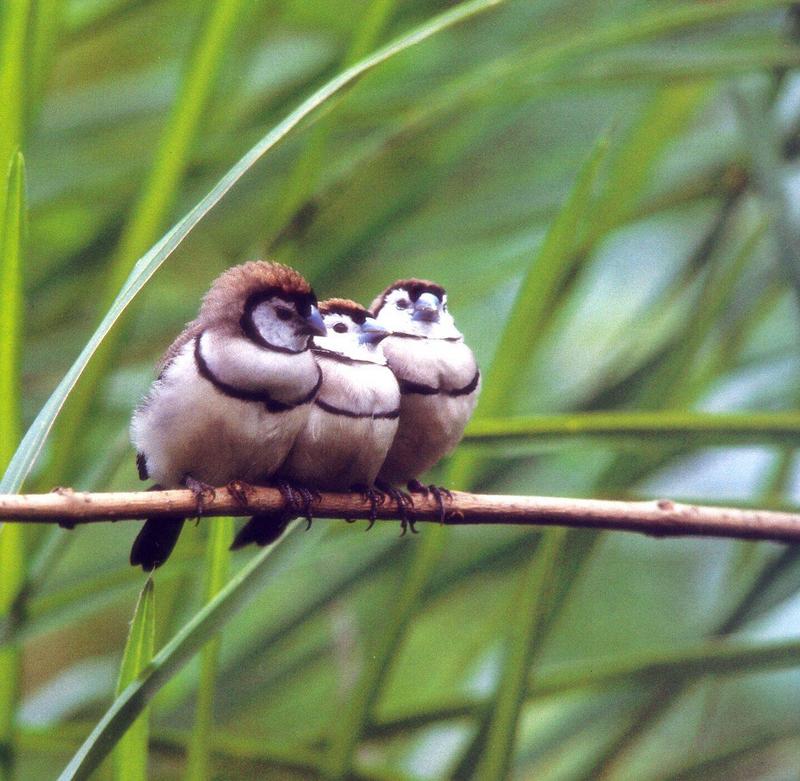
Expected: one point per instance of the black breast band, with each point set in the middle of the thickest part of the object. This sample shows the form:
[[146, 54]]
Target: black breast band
[[408, 387], [395, 413], [258, 396]]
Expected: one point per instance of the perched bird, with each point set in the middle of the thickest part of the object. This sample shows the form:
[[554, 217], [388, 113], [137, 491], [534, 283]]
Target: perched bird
[[438, 377], [233, 391], [354, 417]]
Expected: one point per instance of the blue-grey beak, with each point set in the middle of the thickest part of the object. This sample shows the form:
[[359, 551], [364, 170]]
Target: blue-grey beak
[[426, 308], [371, 332], [315, 324]]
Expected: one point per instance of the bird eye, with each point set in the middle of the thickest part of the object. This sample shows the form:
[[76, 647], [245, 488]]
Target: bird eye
[[402, 304], [340, 328], [283, 313]]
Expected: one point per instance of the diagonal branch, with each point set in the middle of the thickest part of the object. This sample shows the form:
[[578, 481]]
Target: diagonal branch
[[661, 518]]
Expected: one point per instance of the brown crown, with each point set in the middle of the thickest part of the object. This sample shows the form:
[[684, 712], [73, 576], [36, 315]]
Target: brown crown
[[238, 288], [344, 306], [415, 288]]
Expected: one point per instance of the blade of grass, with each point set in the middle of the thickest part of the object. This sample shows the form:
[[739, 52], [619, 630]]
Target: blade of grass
[[203, 625], [14, 20], [709, 658], [45, 28], [13, 563], [764, 147], [305, 174], [532, 308], [639, 424], [130, 754], [217, 566], [149, 214], [528, 617], [12, 233], [31, 445], [554, 261], [377, 658]]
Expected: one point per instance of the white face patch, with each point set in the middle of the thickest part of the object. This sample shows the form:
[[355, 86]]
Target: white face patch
[[279, 323], [344, 339], [397, 314]]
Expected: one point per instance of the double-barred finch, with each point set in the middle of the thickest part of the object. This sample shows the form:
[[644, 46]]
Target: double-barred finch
[[353, 419], [437, 373], [233, 391]]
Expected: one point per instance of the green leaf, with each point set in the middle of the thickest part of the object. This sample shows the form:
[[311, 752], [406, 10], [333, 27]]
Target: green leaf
[[704, 427], [527, 623], [377, 657], [130, 754], [14, 19], [12, 231], [305, 173], [217, 565], [553, 262], [12, 536], [202, 626], [148, 264]]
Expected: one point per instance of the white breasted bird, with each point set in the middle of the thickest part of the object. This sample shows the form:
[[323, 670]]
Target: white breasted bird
[[354, 417], [233, 391], [438, 377]]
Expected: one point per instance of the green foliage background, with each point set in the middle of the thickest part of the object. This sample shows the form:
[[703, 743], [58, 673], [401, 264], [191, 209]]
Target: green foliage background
[[608, 190]]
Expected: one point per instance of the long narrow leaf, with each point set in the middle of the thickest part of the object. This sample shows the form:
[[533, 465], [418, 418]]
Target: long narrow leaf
[[217, 565], [528, 618], [701, 426], [13, 563], [130, 754], [352, 719], [14, 20]]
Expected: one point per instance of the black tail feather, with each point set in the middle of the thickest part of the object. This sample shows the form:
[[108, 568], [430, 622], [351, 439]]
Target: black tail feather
[[262, 529], [155, 541]]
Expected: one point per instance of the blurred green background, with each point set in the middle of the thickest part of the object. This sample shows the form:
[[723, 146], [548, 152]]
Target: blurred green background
[[610, 193]]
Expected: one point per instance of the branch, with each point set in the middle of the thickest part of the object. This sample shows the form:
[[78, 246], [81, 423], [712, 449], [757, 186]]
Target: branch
[[662, 518]]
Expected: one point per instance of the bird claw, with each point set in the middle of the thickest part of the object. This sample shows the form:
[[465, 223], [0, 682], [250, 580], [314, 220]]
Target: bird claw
[[203, 492], [375, 497], [240, 491], [404, 502], [297, 499], [307, 496], [439, 493]]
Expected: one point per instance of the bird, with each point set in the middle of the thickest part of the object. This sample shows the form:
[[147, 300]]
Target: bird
[[233, 391], [439, 382], [354, 417]]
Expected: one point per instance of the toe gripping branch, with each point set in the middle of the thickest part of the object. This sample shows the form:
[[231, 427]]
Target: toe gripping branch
[[404, 503], [376, 498], [265, 528], [438, 492]]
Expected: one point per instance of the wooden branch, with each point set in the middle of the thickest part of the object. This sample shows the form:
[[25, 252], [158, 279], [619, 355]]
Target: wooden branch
[[662, 518]]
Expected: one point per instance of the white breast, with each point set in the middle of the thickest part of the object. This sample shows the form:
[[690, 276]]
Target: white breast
[[430, 425], [336, 451], [187, 426]]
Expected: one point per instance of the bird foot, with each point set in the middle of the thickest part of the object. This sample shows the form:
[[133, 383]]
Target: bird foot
[[375, 497], [267, 527], [298, 499], [404, 502], [438, 492], [203, 492], [240, 491], [307, 498]]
